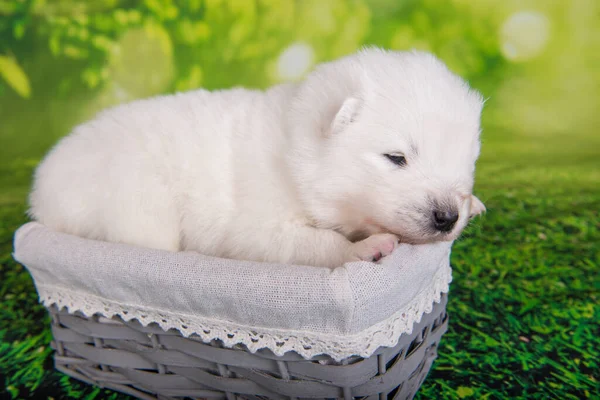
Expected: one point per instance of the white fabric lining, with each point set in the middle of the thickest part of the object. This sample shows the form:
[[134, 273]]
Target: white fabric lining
[[351, 310]]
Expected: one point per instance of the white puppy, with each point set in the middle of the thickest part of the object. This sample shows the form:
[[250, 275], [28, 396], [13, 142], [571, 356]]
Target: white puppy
[[368, 149]]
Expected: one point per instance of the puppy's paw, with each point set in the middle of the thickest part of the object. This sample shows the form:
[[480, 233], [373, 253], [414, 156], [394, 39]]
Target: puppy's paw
[[373, 248]]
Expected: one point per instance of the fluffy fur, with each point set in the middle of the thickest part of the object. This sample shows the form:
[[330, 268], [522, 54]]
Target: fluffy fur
[[295, 174]]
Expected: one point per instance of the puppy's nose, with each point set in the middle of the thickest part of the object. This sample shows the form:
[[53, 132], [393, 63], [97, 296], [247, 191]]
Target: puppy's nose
[[444, 220]]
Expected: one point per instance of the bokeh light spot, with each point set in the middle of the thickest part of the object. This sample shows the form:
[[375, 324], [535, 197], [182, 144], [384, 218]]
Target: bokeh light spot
[[524, 35], [143, 63], [295, 61]]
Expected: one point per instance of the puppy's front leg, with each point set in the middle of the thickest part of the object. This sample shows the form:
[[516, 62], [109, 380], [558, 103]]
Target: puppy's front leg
[[327, 248], [373, 248]]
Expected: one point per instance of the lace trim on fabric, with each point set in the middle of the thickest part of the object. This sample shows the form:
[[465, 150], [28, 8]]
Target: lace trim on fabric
[[307, 344]]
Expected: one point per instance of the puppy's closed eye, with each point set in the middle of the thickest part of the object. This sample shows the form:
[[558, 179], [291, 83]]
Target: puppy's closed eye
[[396, 158]]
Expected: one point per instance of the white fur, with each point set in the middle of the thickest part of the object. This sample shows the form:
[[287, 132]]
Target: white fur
[[287, 175]]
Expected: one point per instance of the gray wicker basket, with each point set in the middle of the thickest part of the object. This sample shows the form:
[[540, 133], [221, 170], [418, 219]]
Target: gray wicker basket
[[149, 363]]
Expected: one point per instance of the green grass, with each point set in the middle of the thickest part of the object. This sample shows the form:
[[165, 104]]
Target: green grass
[[524, 314]]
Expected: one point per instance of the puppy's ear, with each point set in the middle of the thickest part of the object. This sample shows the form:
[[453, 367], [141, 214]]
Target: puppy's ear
[[345, 115], [477, 207]]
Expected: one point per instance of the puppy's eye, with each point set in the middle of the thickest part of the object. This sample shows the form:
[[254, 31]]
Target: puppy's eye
[[397, 159]]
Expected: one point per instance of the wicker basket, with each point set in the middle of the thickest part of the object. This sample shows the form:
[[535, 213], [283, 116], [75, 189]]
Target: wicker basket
[[149, 363], [184, 325]]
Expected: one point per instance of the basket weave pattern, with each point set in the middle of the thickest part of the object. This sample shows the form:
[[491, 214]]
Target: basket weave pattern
[[149, 363]]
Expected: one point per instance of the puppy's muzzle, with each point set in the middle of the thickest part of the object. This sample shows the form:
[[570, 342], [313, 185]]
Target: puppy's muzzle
[[444, 221]]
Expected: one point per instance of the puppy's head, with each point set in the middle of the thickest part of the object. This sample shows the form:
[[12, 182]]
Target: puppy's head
[[387, 142]]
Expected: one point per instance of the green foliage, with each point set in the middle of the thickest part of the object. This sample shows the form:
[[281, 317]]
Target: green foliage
[[31, 352], [14, 76], [524, 311], [458, 32], [221, 39]]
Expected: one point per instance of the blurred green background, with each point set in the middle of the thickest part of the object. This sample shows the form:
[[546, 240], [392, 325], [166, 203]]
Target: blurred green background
[[525, 320]]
